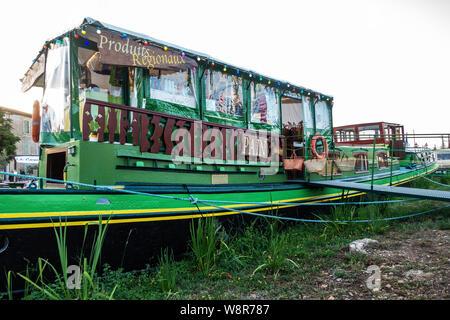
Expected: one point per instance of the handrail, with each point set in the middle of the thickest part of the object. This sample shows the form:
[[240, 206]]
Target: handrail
[[163, 127]]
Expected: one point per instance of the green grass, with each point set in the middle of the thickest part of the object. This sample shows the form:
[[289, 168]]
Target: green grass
[[267, 259]]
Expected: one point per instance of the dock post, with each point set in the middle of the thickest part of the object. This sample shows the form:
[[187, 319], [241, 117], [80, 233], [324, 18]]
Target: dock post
[[373, 160], [392, 157]]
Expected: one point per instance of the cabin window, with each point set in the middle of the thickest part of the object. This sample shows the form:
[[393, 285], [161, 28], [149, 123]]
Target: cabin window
[[362, 162], [97, 80], [307, 113], [224, 93], [291, 112], [382, 159], [336, 155], [56, 99], [322, 116], [264, 104], [174, 86], [368, 132]]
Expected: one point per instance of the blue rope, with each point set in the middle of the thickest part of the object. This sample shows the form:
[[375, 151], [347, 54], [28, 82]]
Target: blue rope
[[194, 201], [324, 221], [438, 183], [93, 186]]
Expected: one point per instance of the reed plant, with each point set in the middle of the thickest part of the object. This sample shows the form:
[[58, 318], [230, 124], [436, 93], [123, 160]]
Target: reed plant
[[276, 252], [166, 271], [205, 240], [84, 286]]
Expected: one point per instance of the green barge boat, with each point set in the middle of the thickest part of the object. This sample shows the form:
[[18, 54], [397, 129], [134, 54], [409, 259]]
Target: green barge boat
[[139, 131]]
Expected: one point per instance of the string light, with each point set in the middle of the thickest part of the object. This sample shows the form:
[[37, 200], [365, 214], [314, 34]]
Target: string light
[[99, 31], [212, 63], [182, 54], [260, 78], [268, 82], [76, 36], [145, 42], [279, 84], [124, 35], [250, 75], [165, 48], [225, 68], [237, 71], [198, 58]]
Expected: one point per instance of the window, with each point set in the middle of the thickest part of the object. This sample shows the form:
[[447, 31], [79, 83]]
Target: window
[[322, 116], [223, 93], [362, 162], [174, 86], [264, 104], [26, 126], [292, 112], [56, 99], [97, 80], [382, 159]]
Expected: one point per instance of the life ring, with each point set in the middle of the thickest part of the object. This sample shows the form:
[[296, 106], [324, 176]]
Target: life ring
[[316, 137], [36, 122]]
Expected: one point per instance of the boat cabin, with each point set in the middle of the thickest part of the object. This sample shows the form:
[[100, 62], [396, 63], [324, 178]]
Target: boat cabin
[[120, 107]]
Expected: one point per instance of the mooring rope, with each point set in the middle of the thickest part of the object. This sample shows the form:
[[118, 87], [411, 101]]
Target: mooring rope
[[195, 201], [438, 183], [325, 221]]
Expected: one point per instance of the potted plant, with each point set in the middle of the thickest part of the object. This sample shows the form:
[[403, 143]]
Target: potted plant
[[93, 126]]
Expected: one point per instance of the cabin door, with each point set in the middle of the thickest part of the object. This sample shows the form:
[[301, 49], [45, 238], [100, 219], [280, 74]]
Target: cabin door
[[292, 116], [56, 161]]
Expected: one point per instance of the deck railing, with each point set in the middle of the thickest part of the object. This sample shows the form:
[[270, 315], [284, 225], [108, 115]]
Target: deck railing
[[153, 132]]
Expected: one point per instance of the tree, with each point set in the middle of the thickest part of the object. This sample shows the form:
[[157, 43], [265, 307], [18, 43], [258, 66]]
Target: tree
[[7, 140]]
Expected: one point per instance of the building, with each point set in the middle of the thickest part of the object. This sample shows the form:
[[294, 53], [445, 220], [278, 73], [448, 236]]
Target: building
[[27, 152]]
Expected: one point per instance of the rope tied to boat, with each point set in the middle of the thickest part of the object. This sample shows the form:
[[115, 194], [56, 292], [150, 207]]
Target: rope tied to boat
[[196, 201]]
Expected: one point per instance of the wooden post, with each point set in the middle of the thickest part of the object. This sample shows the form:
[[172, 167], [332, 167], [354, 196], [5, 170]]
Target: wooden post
[[373, 160]]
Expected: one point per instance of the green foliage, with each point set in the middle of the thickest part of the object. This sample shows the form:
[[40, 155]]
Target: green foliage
[[205, 239], [89, 286], [7, 140], [167, 271], [276, 252]]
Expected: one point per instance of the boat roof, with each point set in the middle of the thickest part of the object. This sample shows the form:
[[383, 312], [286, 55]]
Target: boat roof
[[102, 25], [348, 126]]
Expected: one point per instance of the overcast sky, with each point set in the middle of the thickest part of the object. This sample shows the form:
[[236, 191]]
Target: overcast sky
[[381, 60]]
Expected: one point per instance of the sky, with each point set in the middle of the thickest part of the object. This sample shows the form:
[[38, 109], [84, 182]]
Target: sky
[[381, 60]]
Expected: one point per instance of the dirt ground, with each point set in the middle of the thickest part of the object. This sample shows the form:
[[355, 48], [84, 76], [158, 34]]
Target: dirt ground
[[412, 265]]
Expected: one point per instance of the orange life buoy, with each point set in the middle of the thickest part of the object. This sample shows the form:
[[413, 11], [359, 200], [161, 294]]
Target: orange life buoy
[[316, 137], [36, 122]]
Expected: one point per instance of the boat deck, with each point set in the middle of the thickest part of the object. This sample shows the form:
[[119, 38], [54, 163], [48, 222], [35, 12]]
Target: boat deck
[[395, 191]]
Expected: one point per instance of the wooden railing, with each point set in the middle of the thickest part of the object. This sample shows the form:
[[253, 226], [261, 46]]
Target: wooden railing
[[119, 123]]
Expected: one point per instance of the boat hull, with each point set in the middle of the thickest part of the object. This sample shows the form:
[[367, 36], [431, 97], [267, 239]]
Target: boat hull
[[140, 225]]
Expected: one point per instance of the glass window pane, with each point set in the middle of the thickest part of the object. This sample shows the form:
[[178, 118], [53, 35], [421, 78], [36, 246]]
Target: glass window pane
[[223, 93], [55, 102], [322, 116], [174, 86], [264, 104]]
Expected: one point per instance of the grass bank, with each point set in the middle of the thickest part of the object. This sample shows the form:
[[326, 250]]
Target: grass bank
[[271, 259]]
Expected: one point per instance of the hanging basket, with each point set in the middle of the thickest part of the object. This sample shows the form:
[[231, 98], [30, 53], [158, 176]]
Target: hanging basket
[[345, 163], [315, 165], [294, 163]]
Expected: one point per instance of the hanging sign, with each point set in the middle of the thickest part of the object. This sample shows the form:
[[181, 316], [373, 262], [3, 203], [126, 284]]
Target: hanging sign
[[116, 50]]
